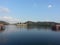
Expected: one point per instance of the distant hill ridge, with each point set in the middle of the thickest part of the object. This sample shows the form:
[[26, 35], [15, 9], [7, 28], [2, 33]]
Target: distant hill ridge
[[39, 24], [3, 22]]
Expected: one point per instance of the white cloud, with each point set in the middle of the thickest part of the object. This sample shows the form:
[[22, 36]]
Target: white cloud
[[50, 6], [4, 10], [9, 19], [6, 17]]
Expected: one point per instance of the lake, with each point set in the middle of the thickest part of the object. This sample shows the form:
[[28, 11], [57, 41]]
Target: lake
[[13, 35]]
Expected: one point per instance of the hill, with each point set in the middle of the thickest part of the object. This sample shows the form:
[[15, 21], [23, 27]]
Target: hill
[[3, 22]]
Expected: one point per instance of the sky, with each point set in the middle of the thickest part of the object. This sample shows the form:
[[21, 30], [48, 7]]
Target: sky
[[29, 10]]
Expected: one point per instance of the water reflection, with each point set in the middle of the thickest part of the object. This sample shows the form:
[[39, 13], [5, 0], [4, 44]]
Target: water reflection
[[2, 30], [56, 30], [36, 28], [15, 35], [14, 28]]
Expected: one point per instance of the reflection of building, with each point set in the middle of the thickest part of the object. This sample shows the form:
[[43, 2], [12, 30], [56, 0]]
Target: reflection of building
[[56, 27], [1, 26]]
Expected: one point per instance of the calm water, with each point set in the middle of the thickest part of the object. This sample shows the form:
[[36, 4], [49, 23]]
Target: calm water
[[14, 35]]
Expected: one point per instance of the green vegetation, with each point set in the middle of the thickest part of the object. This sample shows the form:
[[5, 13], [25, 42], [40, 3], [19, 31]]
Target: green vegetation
[[40, 24]]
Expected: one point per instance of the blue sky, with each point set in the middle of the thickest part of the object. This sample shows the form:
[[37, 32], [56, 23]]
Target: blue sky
[[29, 10]]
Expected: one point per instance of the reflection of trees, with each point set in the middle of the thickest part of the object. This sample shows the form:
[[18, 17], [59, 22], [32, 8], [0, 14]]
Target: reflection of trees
[[37, 27], [2, 30], [56, 30], [30, 27]]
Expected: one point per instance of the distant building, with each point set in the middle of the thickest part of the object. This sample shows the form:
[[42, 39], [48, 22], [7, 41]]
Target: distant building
[[21, 25], [56, 27], [1, 26]]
